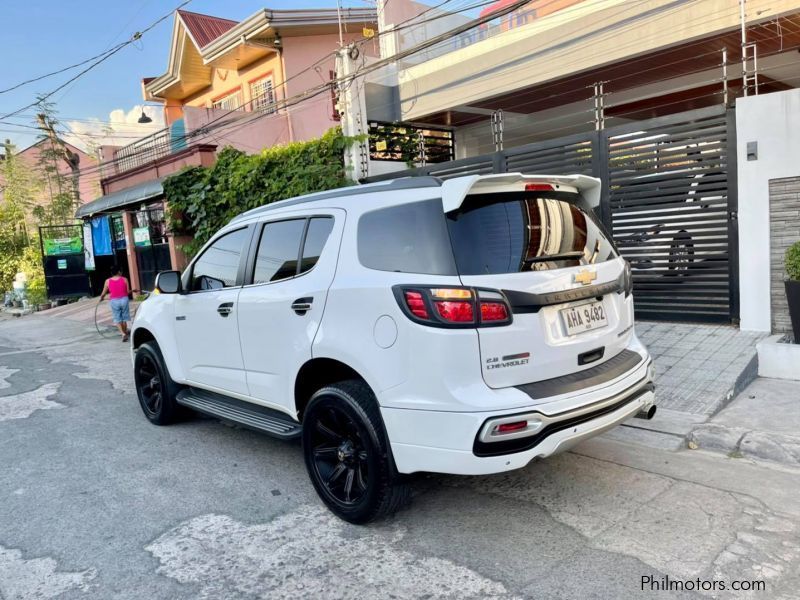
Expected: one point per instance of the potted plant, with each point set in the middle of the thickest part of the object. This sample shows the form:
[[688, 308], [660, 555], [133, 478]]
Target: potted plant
[[792, 284]]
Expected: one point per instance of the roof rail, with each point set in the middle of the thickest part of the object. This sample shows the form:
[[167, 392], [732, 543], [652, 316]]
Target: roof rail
[[404, 183]]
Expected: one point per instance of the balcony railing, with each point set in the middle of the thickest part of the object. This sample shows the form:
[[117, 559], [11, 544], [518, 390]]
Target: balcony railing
[[150, 148], [143, 151]]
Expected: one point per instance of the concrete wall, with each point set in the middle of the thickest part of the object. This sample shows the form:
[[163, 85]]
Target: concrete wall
[[251, 136], [581, 37], [773, 122], [784, 227], [196, 155]]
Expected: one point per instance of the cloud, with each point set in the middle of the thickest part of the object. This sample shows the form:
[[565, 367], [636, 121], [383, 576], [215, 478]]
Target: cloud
[[120, 128]]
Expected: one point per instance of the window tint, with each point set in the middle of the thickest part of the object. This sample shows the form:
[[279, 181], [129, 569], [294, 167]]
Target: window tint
[[278, 250], [319, 228], [409, 238], [218, 265], [510, 233]]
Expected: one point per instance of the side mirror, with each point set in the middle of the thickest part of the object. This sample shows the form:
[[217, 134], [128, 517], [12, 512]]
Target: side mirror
[[168, 282]]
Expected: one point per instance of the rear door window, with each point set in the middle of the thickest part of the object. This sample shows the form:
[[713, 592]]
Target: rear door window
[[278, 250], [516, 232]]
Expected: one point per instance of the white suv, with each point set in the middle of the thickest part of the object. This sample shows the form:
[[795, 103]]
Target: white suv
[[466, 326]]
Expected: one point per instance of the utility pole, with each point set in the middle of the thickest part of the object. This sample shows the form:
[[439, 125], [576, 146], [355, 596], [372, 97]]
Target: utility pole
[[339, 19], [72, 159]]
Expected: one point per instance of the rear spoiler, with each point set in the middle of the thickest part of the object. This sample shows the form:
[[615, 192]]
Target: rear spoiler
[[455, 190]]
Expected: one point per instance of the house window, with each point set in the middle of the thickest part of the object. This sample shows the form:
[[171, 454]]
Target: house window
[[232, 101], [262, 95]]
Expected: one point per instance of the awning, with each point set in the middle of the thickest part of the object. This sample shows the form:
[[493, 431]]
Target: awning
[[131, 195]]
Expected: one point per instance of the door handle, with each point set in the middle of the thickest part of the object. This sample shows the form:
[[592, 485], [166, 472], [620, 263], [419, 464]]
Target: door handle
[[225, 309], [302, 305]]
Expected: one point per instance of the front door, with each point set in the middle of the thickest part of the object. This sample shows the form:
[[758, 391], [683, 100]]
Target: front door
[[207, 316], [281, 309]]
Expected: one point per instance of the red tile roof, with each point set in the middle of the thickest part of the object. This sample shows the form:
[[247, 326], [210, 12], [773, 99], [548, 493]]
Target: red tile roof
[[204, 28]]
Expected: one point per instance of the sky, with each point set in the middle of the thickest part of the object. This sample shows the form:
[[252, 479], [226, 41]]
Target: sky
[[40, 36]]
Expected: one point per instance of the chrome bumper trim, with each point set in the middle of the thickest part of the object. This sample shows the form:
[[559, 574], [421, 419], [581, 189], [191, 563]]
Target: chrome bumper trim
[[538, 420]]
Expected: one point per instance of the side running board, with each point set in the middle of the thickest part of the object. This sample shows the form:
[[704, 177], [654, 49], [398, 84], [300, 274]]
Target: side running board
[[260, 418]]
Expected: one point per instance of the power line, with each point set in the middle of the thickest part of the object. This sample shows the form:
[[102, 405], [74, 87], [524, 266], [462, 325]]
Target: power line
[[277, 104], [56, 72], [102, 58]]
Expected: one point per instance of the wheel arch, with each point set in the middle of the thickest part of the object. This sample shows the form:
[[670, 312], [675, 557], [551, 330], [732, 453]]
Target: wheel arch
[[142, 335], [317, 373], [147, 333]]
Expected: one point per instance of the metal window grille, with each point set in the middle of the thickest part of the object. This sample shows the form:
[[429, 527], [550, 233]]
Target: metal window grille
[[407, 143], [230, 102], [262, 95]]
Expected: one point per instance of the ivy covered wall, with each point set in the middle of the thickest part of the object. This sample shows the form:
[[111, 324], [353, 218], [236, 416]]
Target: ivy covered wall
[[201, 200]]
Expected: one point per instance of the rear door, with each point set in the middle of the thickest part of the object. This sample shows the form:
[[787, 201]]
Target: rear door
[[546, 251], [292, 265]]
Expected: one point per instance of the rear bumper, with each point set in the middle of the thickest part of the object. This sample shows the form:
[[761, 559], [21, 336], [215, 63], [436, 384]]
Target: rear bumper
[[450, 442]]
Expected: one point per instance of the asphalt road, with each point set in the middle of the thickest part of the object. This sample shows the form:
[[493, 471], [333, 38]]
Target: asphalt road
[[97, 503]]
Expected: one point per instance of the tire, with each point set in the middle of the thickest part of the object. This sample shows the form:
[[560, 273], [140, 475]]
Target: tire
[[348, 456], [154, 386]]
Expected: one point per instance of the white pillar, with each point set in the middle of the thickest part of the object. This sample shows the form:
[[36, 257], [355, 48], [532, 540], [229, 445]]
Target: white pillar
[[353, 111], [772, 121]]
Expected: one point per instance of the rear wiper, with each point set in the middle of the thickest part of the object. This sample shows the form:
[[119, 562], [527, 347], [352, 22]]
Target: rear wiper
[[548, 257]]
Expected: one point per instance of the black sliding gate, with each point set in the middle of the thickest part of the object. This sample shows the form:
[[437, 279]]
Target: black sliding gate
[[669, 199]]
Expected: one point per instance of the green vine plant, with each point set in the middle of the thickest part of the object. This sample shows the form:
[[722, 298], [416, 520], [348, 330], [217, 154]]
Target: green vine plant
[[201, 200], [793, 261]]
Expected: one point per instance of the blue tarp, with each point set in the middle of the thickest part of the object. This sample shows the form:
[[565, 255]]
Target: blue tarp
[[101, 236]]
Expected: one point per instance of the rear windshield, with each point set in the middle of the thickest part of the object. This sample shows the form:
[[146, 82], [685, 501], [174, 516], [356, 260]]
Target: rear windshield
[[525, 231]]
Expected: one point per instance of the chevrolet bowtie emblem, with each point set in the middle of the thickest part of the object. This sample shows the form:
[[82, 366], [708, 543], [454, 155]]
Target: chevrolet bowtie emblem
[[585, 277]]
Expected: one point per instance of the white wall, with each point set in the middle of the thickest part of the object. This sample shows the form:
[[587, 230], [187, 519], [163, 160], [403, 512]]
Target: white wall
[[772, 120]]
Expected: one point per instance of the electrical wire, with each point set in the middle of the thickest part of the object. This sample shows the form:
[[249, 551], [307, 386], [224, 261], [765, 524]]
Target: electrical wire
[[285, 103], [103, 57], [279, 104]]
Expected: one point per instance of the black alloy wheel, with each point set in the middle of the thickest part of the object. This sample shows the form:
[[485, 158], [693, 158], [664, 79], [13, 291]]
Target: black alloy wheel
[[348, 456], [149, 386], [340, 457], [154, 386]]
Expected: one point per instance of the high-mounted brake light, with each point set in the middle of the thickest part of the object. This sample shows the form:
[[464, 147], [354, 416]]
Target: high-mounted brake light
[[538, 187], [453, 306]]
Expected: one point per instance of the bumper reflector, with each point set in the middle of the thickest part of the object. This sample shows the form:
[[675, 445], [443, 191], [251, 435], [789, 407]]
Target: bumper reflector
[[511, 427]]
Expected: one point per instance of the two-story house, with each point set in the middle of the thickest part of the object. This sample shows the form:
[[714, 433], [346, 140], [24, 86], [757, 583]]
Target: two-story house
[[227, 83]]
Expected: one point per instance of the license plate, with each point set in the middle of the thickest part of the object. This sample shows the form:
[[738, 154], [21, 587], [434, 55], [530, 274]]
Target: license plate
[[584, 317]]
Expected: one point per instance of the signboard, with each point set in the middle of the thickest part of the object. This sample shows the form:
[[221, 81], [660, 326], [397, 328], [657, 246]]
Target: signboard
[[62, 263], [63, 245], [141, 236], [88, 248]]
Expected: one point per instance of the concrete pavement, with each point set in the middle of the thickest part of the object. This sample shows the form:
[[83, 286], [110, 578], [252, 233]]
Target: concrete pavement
[[97, 503], [763, 423]]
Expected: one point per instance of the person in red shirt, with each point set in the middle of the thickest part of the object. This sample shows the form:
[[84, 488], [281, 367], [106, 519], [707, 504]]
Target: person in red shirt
[[118, 291]]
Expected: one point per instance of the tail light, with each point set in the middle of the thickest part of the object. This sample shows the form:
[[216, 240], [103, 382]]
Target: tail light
[[453, 306]]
